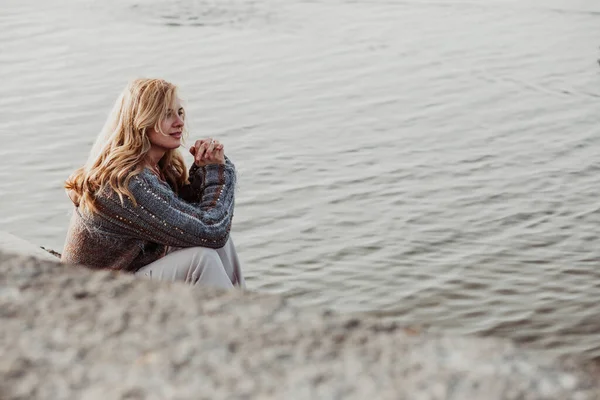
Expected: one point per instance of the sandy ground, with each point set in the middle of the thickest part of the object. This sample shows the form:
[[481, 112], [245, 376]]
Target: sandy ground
[[68, 332]]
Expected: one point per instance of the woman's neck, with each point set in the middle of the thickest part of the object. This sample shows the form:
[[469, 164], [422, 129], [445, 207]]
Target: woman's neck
[[153, 157]]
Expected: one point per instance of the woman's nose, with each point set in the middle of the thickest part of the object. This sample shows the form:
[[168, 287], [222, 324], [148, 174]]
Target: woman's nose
[[179, 121]]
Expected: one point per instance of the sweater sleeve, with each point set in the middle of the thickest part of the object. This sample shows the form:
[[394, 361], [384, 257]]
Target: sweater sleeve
[[162, 217], [192, 192]]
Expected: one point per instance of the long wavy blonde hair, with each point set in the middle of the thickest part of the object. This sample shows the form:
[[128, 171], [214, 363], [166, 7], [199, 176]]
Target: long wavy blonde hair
[[123, 143]]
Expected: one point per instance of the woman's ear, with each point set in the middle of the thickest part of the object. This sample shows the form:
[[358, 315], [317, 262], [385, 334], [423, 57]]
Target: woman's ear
[[73, 196]]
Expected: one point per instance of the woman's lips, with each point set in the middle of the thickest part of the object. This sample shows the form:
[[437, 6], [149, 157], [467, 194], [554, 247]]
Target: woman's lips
[[176, 135]]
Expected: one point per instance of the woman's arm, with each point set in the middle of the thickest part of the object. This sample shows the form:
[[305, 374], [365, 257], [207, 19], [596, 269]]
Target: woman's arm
[[192, 192], [162, 217]]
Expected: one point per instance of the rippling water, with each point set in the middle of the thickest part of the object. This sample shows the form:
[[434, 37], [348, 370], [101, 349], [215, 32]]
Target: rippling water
[[434, 162]]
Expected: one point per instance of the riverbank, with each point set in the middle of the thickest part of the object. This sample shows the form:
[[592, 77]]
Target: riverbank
[[68, 332]]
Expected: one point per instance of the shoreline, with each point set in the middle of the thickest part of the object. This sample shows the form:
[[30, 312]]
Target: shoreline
[[101, 334]]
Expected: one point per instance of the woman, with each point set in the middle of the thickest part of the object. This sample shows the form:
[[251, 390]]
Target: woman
[[137, 209]]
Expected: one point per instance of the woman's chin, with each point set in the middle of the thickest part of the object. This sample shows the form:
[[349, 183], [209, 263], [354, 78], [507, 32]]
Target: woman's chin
[[176, 144]]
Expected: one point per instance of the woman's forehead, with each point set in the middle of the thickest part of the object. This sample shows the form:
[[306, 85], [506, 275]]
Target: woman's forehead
[[177, 103]]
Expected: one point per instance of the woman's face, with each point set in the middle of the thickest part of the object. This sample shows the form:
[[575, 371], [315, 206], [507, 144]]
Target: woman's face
[[172, 129]]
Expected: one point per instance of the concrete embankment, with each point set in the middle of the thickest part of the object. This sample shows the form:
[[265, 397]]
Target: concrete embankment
[[71, 333]]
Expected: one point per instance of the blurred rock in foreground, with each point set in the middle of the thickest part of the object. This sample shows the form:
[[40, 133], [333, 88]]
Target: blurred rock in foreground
[[70, 333]]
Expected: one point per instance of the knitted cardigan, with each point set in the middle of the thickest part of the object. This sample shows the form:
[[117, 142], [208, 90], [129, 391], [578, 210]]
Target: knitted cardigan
[[124, 236]]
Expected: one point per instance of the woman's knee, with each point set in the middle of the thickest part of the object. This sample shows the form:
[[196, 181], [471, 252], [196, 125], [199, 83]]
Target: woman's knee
[[204, 255], [207, 266]]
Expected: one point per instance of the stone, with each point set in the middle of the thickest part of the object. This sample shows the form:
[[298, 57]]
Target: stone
[[71, 333], [15, 245]]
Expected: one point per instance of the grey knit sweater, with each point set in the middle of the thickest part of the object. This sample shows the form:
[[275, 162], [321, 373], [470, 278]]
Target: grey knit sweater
[[127, 237]]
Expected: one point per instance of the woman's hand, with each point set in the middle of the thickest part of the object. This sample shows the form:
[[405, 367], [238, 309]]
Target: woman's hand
[[208, 151]]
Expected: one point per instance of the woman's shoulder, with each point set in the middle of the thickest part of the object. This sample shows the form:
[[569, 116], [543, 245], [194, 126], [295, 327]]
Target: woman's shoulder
[[145, 175], [146, 180], [141, 183]]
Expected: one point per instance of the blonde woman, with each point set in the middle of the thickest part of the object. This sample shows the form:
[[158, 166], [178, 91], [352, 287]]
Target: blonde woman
[[137, 208]]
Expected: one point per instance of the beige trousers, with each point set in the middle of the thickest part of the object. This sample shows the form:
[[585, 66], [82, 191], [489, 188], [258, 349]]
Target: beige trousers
[[198, 266]]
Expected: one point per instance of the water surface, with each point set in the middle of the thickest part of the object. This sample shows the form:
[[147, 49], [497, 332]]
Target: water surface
[[432, 162]]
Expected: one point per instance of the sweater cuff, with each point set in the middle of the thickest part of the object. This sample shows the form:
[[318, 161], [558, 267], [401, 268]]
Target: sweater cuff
[[218, 174], [199, 177]]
